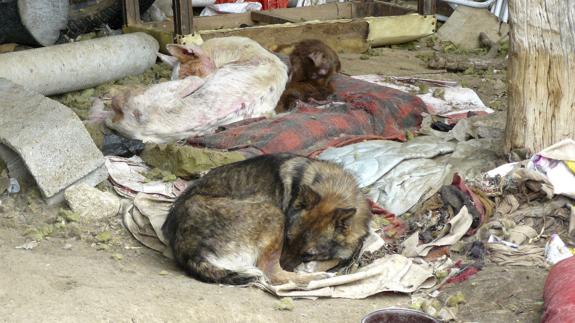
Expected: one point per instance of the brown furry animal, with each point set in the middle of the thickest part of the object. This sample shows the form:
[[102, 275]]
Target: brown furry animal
[[264, 216], [313, 64]]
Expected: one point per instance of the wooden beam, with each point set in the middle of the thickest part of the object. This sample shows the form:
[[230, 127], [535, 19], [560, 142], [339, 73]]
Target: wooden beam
[[379, 9], [223, 21], [131, 12], [426, 7], [269, 17], [183, 16], [344, 35]]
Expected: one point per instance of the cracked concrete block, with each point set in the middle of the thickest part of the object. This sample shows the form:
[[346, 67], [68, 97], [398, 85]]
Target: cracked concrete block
[[44, 139]]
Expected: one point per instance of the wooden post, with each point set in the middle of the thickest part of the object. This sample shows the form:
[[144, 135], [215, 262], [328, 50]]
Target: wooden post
[[183, 13], [426, 7], [131, 12], [541, 74]]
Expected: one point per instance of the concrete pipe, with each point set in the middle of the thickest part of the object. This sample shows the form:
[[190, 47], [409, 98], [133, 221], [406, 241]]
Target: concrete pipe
[[81, 65]]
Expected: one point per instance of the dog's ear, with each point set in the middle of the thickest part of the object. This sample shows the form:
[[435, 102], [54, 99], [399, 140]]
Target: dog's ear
[[307, 198], [342, 217]]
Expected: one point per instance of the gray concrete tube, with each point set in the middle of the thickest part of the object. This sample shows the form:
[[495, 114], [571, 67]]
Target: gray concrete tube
[[80, 65]]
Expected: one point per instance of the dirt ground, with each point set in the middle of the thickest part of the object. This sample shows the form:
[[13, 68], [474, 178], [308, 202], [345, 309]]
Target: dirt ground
[[71, 276]]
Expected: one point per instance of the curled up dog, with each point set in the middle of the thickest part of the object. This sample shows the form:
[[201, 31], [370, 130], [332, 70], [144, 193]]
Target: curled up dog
[[262, 217]]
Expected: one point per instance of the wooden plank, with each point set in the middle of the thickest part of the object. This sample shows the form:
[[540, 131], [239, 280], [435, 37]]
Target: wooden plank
[[269, 17], [344, 35], [330, 11], [426, 7], [223, 21], [380, 9], [183, 13], [131, 12]]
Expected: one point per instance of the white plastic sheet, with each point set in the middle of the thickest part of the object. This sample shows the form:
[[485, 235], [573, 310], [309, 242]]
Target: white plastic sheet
[[396, 175]]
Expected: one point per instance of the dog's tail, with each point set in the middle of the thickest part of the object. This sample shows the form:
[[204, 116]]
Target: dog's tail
[[207, 272]]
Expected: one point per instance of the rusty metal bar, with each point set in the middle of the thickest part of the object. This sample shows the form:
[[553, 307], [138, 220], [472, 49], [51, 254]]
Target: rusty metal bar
[[183, 17], [131, 12], [426, 7]]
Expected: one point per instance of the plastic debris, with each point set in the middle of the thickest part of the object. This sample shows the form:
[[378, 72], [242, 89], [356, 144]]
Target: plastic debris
[[556, 250], [14, 186], [28, 245]]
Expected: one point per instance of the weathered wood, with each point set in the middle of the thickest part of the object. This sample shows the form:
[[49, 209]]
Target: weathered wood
[[426, 7], [343, 35], [541, 82], [183, 17], [131, 11], [223, 21], [379, 9], [269, 17]]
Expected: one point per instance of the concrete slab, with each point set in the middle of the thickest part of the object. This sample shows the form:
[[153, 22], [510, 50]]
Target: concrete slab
[[464, 25], [45, 139]]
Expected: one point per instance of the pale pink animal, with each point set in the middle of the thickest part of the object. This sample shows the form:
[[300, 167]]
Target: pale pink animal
[[242, 80]]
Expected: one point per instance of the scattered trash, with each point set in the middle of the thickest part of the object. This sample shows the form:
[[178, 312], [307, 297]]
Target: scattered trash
[[163, 273], [284, 304], [67, 246], [391, 273], [127, 176], [458, 226], [526, 256], [116, 145], [14, 186], [453, 99], [556, 162], [92, 203], [28, 245], [556, 250], [496, 239]]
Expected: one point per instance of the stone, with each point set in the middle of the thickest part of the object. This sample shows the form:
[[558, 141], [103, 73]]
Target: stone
[[464, 25], [92, 203], [43, 140]]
